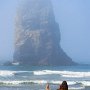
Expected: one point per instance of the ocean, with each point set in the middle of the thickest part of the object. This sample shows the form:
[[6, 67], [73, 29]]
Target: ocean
[[36, 77]]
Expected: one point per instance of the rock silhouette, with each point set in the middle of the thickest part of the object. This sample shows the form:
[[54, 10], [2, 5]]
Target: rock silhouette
[[37, 35]]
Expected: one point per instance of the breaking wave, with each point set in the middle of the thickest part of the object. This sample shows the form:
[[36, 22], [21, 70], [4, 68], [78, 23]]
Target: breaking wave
[[5, 73], [70, 74], [67, 74], [76, 88], [16, 82], [23, 82]]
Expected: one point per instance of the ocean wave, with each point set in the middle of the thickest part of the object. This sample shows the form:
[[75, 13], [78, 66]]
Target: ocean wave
[[63, 73], [27, 82], [77, 88], [86, 83], [68, 74], [5, 73], [18, 82], [33, 82]]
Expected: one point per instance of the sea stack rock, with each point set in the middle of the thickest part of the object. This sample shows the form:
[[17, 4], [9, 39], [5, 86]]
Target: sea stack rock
[[37, 35]]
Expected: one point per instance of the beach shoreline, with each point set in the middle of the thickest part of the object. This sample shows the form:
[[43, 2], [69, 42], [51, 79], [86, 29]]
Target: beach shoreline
[[37, 87]]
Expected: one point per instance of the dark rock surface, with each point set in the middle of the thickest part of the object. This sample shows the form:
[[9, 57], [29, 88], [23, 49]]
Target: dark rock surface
[[37, 35]]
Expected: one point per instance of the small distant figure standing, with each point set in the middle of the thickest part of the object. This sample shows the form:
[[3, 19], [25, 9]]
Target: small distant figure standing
[[63, 86], [47, 86]]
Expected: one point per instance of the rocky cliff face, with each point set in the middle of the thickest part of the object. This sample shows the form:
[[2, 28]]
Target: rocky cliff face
[[37, 35]]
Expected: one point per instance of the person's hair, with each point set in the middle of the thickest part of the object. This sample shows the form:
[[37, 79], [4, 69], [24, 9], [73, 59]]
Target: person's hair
[[64, 83]]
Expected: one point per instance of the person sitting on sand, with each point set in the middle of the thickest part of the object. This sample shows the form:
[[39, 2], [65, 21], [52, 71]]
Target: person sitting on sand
[[63, 86], [47, 87]]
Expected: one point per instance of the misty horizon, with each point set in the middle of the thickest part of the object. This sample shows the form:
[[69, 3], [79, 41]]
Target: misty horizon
[[73, 18]]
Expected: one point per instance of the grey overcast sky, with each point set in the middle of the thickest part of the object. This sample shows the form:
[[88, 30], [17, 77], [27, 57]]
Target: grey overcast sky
[[73, 17]]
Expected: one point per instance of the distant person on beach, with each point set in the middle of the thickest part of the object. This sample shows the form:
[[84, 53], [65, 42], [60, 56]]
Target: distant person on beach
[[63, 86], [47, 87]]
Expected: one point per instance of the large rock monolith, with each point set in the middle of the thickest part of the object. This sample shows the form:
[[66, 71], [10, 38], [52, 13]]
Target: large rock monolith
[[37, 35]]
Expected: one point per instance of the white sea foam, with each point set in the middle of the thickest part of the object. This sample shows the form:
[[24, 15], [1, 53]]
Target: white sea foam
[[34, 81], [63, 73], [23, 82], [86, 83], [6, 73], [16, 63], [45, 72], [59, 82], [76, 88]]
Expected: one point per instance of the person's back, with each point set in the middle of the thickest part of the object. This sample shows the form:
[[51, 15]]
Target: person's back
[[63, 86]]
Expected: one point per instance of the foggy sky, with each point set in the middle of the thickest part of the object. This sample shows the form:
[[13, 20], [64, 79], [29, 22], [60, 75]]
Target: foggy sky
[[73, 17]]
